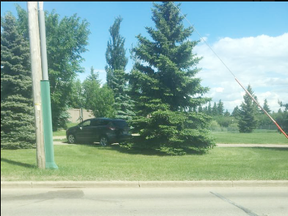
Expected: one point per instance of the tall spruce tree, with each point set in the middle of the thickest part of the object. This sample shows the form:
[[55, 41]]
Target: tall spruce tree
[[164, 87], [115, 52], [115, 69], [266, 107], [17, 113], [247, 113], [220, 108], [215, 109]]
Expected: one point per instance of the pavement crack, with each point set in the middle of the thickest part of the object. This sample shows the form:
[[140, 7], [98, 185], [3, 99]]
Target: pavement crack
[[247, 211]]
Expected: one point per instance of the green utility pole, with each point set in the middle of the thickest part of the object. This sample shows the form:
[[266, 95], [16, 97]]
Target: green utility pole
[[45, 96]]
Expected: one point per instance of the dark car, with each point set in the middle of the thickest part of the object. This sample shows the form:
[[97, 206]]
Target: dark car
[[103, 130]]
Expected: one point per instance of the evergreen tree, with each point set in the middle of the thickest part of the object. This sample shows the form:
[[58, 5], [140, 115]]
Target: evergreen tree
[[226, 113], [236, 112], [164, 87], [266, 107], [248, 111], [282, 117], [17, 113], [209, 109], [115, 52], [220, 108], [214, 109], [115, 69]]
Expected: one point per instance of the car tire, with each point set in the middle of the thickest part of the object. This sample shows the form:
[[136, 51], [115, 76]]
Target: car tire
[[104, 141], [71, 139]]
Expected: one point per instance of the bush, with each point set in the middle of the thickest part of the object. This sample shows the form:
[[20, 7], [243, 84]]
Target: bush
[[214, 126], [233, 127]]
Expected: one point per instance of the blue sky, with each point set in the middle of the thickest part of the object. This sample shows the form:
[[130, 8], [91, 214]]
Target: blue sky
[[250, 37]]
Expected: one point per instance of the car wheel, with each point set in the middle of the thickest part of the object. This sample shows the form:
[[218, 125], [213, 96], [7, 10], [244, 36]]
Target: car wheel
[[71, 139], [104, 141]]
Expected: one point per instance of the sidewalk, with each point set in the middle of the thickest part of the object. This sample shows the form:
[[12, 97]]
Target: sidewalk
[[142, 184]]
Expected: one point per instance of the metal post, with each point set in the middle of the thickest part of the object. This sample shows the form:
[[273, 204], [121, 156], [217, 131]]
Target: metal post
[[45, 94], [36, 77]]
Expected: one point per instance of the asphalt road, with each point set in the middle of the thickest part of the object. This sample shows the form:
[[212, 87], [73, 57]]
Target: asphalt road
[[241, 201]]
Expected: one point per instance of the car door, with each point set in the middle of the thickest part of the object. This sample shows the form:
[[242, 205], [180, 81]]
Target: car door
[[102, 128], [84, 132], [95, 127]]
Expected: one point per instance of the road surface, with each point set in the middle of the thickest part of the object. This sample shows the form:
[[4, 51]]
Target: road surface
[[241, 201]]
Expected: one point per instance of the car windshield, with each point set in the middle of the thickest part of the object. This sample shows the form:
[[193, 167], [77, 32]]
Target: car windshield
[[120, 124]]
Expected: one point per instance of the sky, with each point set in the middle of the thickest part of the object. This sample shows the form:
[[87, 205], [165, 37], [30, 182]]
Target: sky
[[250, 38]]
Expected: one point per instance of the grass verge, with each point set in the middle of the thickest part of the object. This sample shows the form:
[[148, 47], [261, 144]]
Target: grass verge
[[96, 163], [250, 138]]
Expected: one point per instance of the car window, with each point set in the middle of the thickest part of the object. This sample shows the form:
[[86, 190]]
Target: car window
[[95, 122], [85, 123], [120, 124], [103, 122]]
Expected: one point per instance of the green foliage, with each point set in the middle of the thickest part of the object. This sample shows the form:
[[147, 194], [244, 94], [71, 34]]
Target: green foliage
[[214, 126], [98, 99], [123, 105], [66, 40], [266, 107], [248, 111], [115, 53], [115, 69], [282, 117], [76, 99], [236, 112], [17, 114], [164, 88]]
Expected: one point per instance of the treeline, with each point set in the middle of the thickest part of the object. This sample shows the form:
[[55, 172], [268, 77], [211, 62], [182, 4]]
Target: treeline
[[246, 117]]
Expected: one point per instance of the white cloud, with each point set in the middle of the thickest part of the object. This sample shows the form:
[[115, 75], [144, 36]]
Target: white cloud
[[260, 61]]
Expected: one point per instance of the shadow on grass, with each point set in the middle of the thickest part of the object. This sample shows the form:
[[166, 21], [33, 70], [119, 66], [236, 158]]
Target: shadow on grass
[[18, 163], [123, 148], [141, 151]]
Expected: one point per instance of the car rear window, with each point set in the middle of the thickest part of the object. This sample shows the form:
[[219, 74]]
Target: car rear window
[[120, 124]]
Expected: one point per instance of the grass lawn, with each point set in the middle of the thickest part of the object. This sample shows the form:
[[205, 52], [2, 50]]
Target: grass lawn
[[96, 163], [250, 138], [62, 132]]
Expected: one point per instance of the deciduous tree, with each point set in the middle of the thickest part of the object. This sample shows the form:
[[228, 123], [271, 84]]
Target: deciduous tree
[[66, 40]]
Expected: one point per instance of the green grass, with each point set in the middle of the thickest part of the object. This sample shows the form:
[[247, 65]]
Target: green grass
[[93, 162], [62, 132], [259, 137]]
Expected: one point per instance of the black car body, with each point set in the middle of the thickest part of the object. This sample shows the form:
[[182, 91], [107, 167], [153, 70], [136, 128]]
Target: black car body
[[103, 130]]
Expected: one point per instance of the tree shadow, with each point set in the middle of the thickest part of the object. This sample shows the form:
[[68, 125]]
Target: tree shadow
[[148, 151], [18, 163], [123, 148]]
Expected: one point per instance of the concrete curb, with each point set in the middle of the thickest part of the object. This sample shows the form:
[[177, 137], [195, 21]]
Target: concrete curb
[[141, 184]]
